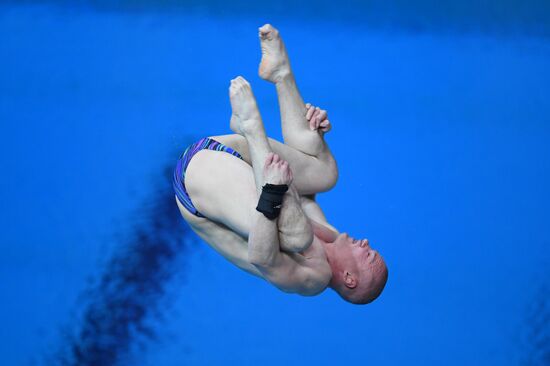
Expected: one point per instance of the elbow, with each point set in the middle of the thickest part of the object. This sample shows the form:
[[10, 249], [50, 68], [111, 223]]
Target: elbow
[[260, 260]]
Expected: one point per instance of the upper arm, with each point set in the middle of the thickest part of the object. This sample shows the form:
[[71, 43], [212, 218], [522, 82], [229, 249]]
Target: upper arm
[[288, 275], [229, 244]]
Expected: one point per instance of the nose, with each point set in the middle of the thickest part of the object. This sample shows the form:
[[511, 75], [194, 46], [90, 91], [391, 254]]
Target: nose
[[373, 254], [364, 243]]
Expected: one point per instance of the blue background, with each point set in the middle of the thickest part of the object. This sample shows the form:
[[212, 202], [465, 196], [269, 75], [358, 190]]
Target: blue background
[[441, 121]]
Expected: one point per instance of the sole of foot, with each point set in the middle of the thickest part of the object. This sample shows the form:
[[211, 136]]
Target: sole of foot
[[274, 65]]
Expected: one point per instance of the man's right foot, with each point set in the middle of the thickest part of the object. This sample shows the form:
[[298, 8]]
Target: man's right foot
[[245, 117], [276, 170], [274, 65]]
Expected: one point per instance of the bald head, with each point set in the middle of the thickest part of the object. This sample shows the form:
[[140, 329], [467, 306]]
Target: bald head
[[370, 282], [359, 273]]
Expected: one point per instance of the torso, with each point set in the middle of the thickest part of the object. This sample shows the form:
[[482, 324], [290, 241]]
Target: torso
[[234, 247]]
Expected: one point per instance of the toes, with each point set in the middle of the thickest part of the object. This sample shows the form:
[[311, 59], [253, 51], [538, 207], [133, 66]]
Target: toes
[[276, 158], [232, 88], [267, 31], [239, 84], [242, 80], [266, 28], [322, 114]]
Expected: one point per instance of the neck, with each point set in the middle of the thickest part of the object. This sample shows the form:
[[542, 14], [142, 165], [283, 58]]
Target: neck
[[323, 232]]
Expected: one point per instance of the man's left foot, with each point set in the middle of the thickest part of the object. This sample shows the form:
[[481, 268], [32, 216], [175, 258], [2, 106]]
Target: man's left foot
[[245, 117]]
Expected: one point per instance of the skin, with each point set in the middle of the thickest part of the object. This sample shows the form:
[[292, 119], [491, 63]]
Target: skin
[[299, 252]]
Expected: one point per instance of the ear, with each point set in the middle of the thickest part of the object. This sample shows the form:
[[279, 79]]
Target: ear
[[349, 280]]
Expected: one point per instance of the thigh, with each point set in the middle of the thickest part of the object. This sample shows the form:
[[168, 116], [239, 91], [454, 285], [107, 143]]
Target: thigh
[[229, 244], [222, 188], [312, 174]]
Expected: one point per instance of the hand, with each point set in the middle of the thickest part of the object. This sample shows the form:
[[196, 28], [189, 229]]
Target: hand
[[317, 118]]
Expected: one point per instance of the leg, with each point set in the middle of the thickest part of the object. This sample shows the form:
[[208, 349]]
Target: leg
[[295, 230], [312, 175], [275, 67], [222, 188], [304, 149]]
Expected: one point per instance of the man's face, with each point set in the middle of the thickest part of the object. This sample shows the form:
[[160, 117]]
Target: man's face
[[359, 272], [354, 254]]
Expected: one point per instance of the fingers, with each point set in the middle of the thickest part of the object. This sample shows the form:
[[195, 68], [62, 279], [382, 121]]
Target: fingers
[[310, 111], [269, 158], [317, 118], [325, 126], [286, 168], [322, 114]]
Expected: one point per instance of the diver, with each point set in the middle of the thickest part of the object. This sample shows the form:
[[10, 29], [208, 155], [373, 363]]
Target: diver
[[252, 198]]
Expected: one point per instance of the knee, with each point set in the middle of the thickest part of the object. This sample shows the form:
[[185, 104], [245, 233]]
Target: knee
[[330, 176]]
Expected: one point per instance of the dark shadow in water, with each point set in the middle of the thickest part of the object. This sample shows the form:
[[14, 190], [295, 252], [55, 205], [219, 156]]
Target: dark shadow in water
[[123, 310], [537, 330]]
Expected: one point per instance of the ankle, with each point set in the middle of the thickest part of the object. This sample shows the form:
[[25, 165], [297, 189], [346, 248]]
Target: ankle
[[252, 128], [284, 77]]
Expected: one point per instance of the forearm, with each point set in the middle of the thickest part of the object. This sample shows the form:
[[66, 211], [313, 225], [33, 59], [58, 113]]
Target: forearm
[[295, 231], [263, 241], [290, 232]]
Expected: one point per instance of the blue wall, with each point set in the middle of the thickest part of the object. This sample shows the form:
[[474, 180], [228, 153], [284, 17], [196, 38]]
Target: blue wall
[[441, 129]]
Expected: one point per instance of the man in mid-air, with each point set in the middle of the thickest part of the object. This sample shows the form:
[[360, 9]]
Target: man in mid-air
[[253, 198]]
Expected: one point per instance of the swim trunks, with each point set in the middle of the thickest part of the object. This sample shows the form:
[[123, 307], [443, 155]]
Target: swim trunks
[[181, 166]]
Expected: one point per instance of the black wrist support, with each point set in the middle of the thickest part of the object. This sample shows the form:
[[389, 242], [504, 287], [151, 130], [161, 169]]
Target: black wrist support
[[271, 199]]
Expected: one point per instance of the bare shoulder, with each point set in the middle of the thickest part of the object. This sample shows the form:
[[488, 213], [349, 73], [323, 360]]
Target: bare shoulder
[[314, 272], [292, 276], [307, 273]]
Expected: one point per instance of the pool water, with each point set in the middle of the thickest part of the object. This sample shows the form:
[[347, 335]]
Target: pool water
[[442, 140]]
